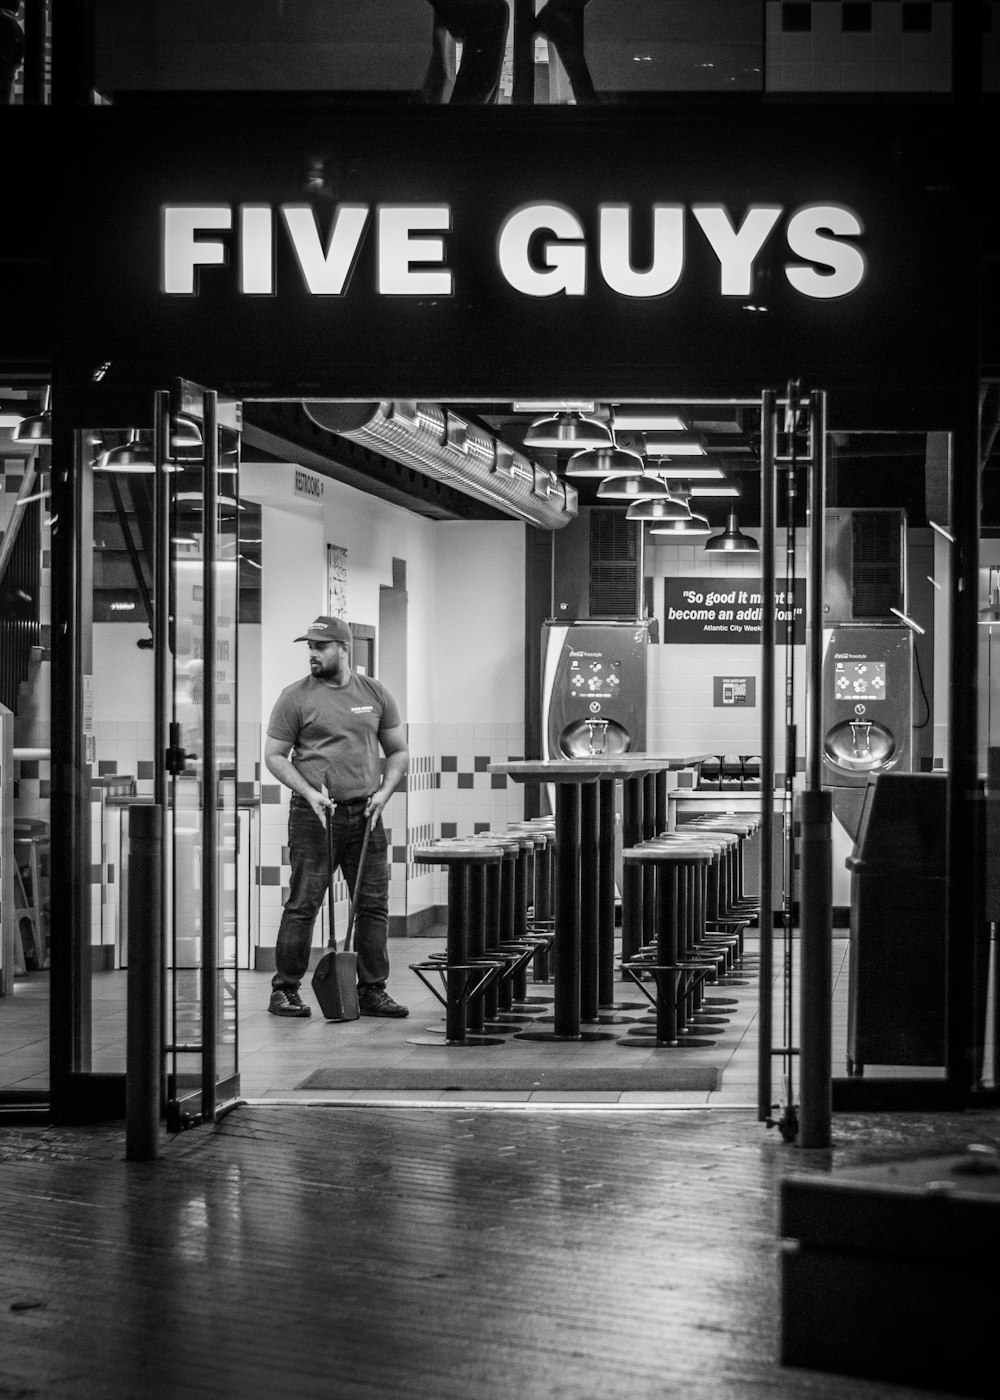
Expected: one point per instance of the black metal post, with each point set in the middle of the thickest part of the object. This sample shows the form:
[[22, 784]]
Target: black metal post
[[816, 842], [210, 768], [765, 1039], [144, 1031]]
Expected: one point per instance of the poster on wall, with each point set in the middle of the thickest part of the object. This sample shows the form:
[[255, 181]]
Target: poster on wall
[[726, 610], [336, 581]]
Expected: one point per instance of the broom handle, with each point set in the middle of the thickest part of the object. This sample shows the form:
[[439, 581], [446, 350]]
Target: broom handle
[[329, 878], [357, 885]]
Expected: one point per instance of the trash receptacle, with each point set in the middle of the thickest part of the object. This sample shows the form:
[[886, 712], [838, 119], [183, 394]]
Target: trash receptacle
[[896, 982]]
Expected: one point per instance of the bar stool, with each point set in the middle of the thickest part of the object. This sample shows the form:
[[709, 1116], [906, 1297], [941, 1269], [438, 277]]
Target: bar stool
[[505, 935], [734, 907], [465, 972], [709, 936], [743, 827], [534, 905], [674, 974], [31, 889]]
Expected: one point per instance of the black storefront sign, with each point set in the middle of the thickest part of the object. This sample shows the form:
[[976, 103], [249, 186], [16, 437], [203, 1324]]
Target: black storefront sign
[[725, 610], [390, 254]]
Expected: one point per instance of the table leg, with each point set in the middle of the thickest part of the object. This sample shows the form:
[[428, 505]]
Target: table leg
[[606, 895], [589, 899], [566, 948], [632, 907]]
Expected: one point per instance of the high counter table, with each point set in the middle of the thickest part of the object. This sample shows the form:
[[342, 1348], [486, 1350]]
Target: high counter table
[[584, 913]]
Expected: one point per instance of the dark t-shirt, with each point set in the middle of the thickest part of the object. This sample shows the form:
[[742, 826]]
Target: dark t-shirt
[[334, 731]]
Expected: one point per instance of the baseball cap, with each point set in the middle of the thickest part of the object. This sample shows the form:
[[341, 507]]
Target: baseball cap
[[327, 629]]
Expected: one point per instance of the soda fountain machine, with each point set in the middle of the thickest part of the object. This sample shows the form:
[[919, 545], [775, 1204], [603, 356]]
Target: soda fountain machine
[[594, 688], [867, 672]]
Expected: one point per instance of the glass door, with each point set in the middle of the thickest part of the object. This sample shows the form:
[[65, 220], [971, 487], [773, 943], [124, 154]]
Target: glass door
[[195, 644]]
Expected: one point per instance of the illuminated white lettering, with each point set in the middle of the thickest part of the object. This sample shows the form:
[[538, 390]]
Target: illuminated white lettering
[[736, 249], [399, 250], [183, 253], [806, 236], [256, 234], [326, 271], [565, 259], [667, 265], [664, 272]]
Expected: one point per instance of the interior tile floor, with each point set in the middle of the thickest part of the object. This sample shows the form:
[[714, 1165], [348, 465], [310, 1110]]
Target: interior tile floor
[[277, 1055]]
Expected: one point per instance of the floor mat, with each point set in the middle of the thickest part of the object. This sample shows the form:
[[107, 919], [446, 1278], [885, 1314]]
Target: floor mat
[[666, 1077]]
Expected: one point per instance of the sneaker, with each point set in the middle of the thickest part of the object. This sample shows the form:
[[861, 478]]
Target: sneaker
[[378, 1002], [285, 1001]]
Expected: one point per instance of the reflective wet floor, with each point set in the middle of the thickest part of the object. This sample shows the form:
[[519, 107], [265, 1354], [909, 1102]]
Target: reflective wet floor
[[551, 1253]]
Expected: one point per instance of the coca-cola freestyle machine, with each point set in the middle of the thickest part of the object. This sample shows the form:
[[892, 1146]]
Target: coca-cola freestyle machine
[[593, 688], [867, 723]]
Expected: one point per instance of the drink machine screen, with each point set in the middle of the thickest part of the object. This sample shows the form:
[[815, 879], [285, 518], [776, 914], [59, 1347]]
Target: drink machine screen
[[595, 680], [859, 680]]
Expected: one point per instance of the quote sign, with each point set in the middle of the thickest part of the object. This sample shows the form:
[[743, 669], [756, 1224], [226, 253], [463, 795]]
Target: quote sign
[[730, 610]]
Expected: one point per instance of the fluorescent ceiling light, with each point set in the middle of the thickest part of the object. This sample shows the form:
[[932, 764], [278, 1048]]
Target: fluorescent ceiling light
[[10, 420], [554, 406], [639, 421], [661, 467], [674, 447]]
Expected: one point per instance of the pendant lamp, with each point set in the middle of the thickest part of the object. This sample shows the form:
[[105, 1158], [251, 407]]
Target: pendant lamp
[[691, 527], [567, 432], [36, 429], [732, 540], [656, 510], [604, 461], [632, 488], [134, 456]]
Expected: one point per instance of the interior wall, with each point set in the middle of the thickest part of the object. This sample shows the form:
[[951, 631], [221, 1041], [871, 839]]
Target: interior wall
[[682, 715], [465, 664]]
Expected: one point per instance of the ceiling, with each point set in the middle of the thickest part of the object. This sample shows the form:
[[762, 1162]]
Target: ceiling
[[864, 469]]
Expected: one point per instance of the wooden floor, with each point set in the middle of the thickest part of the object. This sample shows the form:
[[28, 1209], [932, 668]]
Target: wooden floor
[[420, 1253]]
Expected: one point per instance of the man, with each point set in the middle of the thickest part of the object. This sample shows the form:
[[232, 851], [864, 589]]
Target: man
[[323, 741]]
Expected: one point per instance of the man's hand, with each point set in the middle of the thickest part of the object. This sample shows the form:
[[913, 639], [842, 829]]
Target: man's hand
[[321, 804], [374, 805]]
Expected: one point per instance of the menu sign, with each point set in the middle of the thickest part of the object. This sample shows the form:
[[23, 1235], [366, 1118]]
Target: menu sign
[[730, 610]]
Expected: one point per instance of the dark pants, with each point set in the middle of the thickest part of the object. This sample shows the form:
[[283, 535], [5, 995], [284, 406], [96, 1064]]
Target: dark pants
[[307, 841]]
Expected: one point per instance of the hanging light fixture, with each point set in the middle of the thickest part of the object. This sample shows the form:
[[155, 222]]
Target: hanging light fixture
[[693, 526], [36, 429], [134, 456], [655, 510], [605, 461], [632, 488], [991, 613], [732, 540], [567, 432]]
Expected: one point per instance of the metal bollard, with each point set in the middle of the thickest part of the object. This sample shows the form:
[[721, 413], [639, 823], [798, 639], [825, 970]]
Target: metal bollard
[[815, 866], [143, 1048]]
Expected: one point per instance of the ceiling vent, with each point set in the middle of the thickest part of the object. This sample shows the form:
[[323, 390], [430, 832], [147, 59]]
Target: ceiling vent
[[435, 441]]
